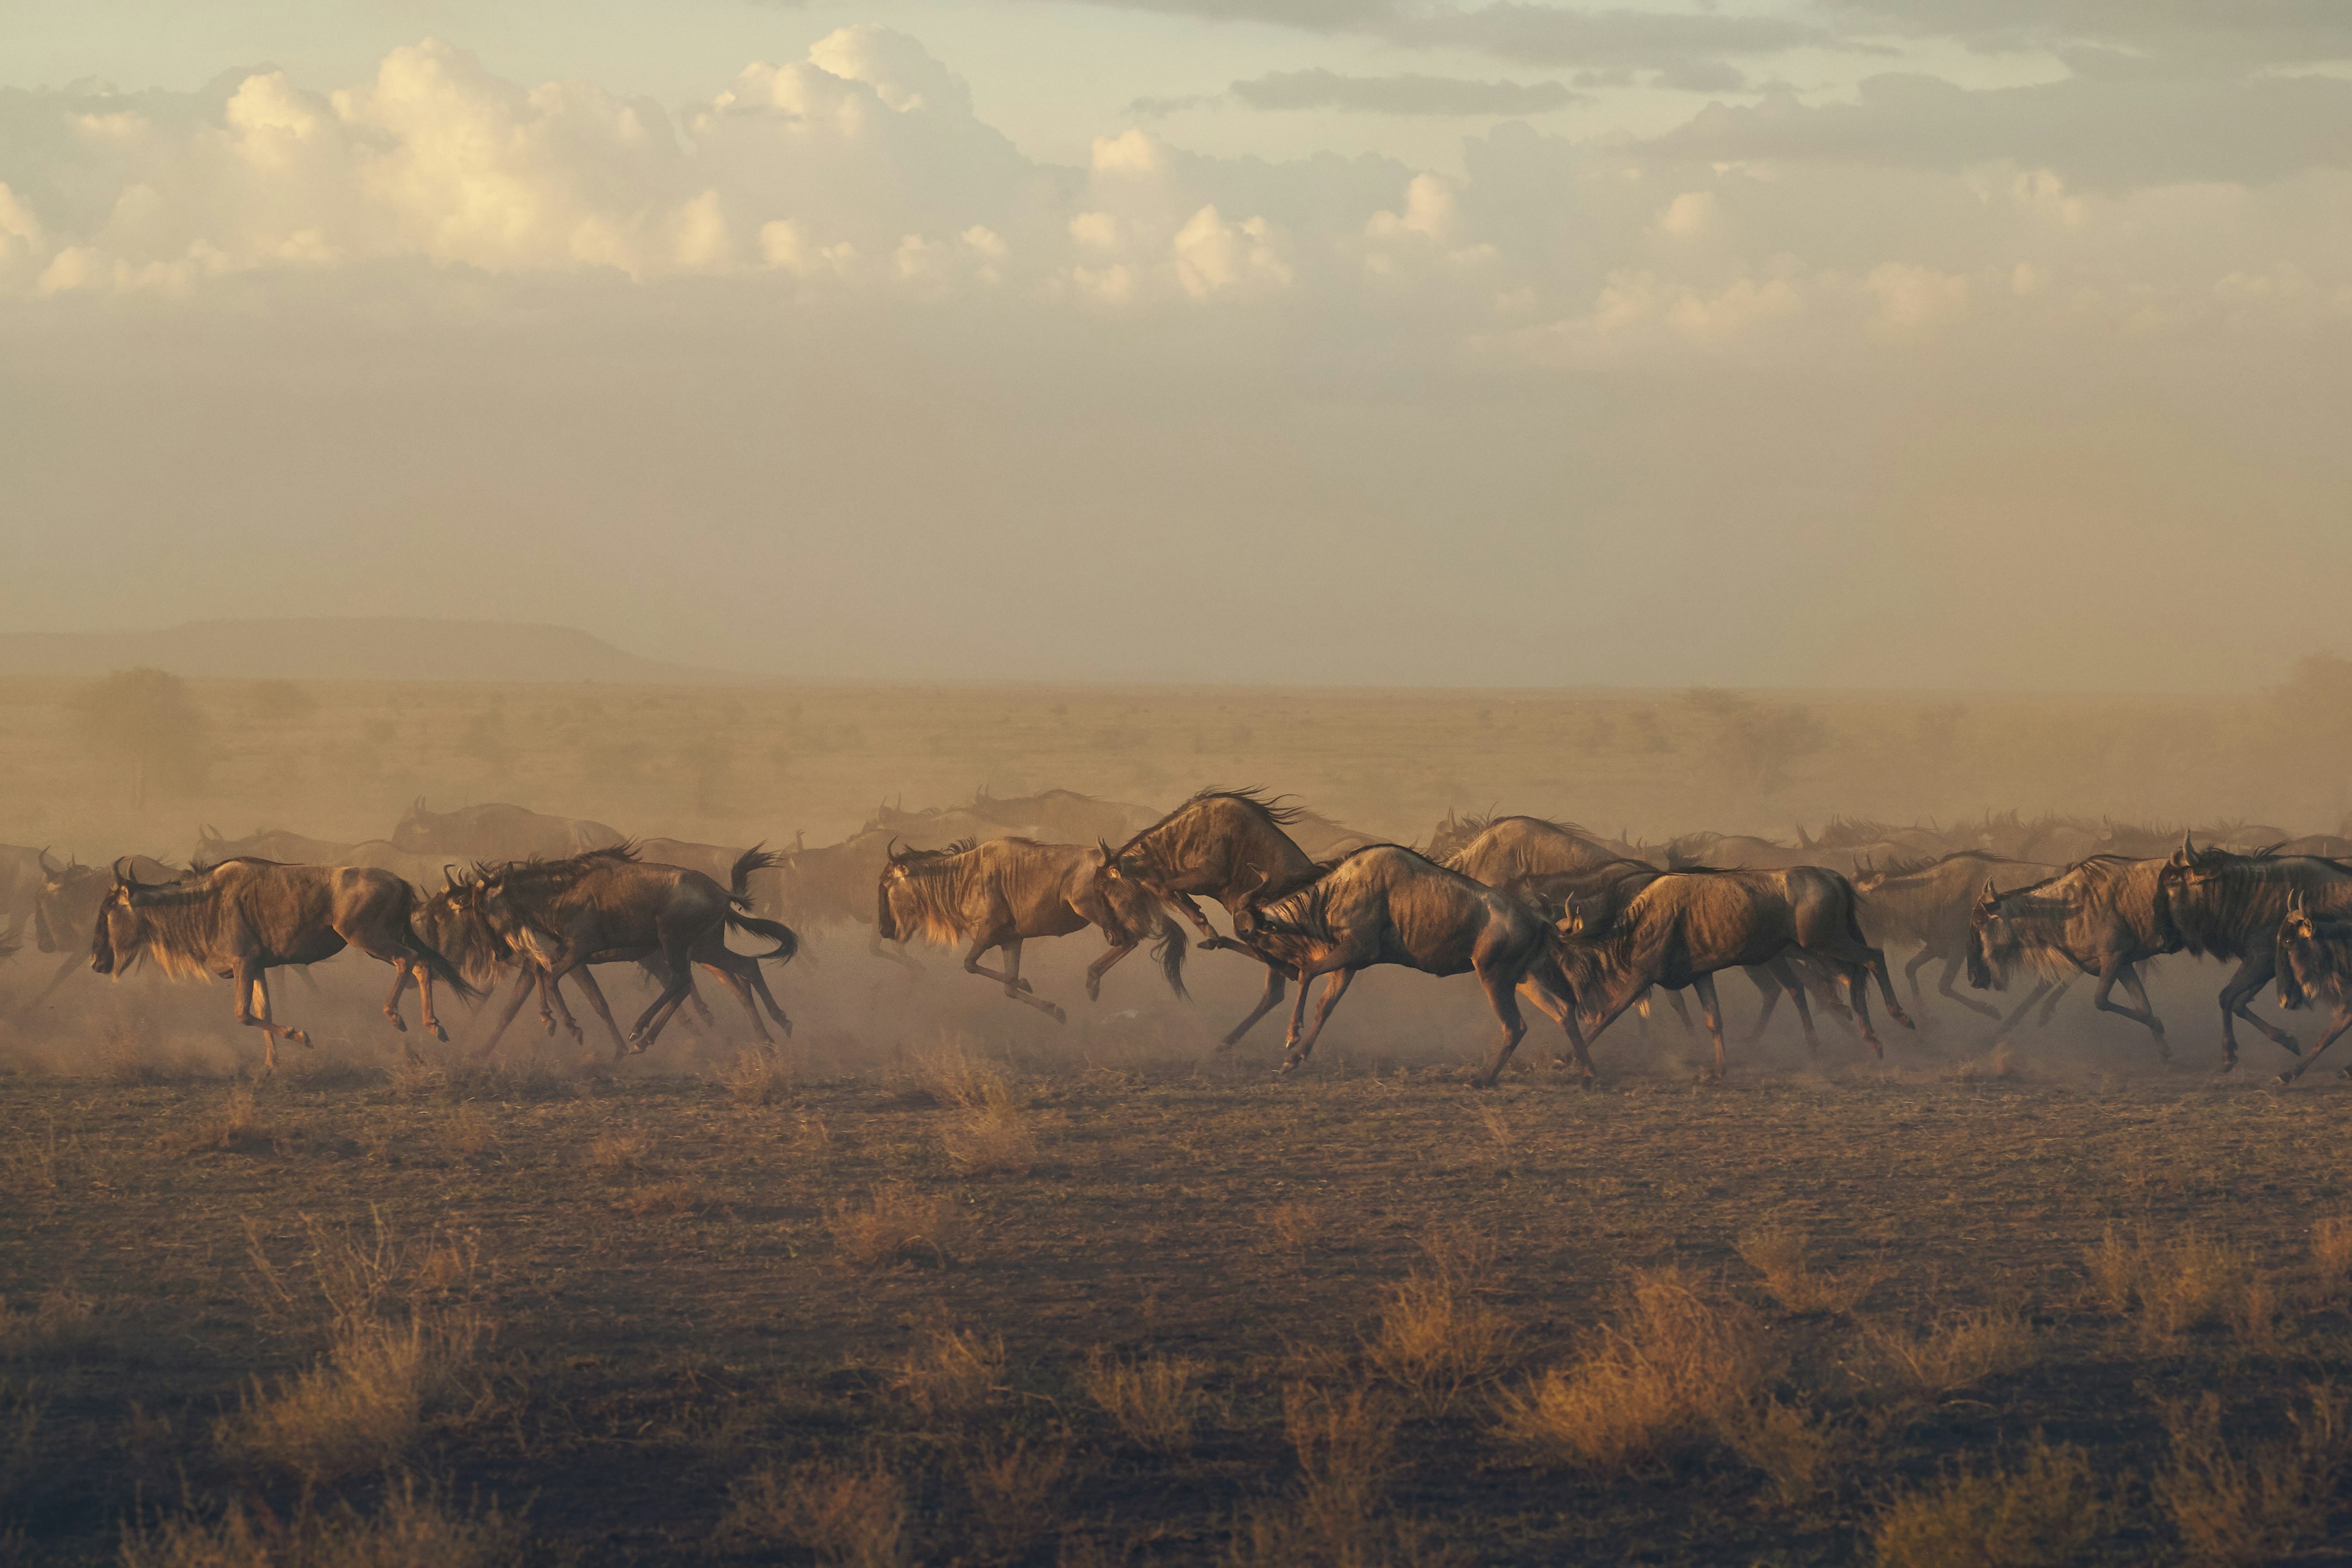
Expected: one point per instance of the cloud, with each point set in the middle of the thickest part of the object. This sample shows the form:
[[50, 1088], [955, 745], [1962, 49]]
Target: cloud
[[1405, 94], [2240, 31]]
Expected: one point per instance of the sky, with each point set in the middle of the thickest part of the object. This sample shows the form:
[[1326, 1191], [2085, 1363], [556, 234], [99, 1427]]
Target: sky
[[1952, 343]]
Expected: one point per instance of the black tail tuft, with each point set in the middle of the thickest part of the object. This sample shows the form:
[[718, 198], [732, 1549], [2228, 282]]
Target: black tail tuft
[[1169, 950], [787, 940]]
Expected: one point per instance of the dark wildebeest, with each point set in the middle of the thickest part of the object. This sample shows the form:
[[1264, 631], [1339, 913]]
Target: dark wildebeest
[[498, 833], [2100, 917], [2315, 963], [835, 882], [1229, 845], [269, 844], [1682, 928], [2226, 906], [1729, 852], [1930, 902], [242, 918], [2327, 846], [568, 912], [22, 873], [1062, 815], [1600, 895], [1001, 893], [1387, 904]]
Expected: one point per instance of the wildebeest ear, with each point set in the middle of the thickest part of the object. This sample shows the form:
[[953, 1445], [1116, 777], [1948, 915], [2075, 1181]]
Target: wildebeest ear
[[1991, 897], [2180, 856]]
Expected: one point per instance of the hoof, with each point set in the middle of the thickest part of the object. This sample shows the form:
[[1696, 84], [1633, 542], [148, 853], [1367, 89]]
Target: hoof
[[298, 1038], [396, 1021], [1056, 1014], [439, 1033], [2286, 1078], [786, 1024], [1027, 989]]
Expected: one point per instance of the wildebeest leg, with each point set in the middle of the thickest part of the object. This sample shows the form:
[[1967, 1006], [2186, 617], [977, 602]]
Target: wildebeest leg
[[1712, 1008], [1768, 985], [1944, 987], [1268, 1002], [2254, 971], [2343, 1022], [1191, 910], [1796, 989], [1911, 972], [1302, 1047], [2058, 993], [874, 945], [732, 978], [1014, 986], [585, 978], [1546, 978], [1857, 985], [2130, 978], [747, 969], [2041, 989], [1504, 997], [552, 1007], [1675, 1001], [1876, 960], [252, 982], [2115, 969], [525, 978], [1101, 966]]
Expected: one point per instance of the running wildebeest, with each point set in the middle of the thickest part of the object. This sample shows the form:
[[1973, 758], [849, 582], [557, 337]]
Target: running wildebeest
[[2315, 963], [1387, 904], [242, 918], [1229, 845], [1930, 902], [1729, 852], [1062, 817], [70, 894], [1686, 925], [2100, 917], [22, 873], [498, 833], [268, 844], [1500, 848], [835, 882], [568, 912], [2227, 906], [1001, 893]]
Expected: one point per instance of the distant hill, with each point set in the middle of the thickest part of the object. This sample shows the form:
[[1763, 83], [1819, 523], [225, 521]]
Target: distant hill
[[349, 649]]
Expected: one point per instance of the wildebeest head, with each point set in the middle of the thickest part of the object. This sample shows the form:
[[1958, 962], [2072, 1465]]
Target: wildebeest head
[[2307, 956], [412, 830], [1867, 878], [1993, 942], [119, 935], [53, 905]]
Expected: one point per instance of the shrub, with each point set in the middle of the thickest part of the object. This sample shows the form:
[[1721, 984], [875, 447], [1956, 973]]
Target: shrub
[[950, 1372], [2046, 1511], [1961, 1350], [853, 1518], [2254, 1502], [895, 1225], [1155, 1400], [1779, 1253]]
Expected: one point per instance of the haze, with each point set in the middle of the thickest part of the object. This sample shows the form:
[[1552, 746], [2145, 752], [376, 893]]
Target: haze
[[1869, 343]]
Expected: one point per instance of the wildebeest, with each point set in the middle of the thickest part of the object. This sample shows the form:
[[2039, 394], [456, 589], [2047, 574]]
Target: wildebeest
[[244, 917], [606, 904], [2314, 959], [1729, 852], [2099, 917], [1930, 902], [1500, 848], [1062, 815], [835, 882], [1682, 928], [1003, 892], [498, 833], [1387, 904], [277, 844], [69, 895], [1229, 845], [22, 873], [2227, 906]]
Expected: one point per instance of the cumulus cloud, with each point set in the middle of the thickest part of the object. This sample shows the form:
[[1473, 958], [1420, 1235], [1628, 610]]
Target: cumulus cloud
[[1402, 94]]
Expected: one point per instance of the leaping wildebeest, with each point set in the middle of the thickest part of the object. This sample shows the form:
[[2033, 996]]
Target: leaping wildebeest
[[2099, 917], [1229, 845], [244, 917], [1003, 892], [2227, 906], [1682, 928], [605, 905], [1387, 904], [2315, 963]]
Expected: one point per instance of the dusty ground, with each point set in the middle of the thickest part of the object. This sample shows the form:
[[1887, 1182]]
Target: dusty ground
[[758, 1312]]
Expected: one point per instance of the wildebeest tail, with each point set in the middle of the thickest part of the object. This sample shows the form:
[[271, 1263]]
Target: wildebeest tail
[[441, 968], [758, 858], [1169, 950], [787, 940]]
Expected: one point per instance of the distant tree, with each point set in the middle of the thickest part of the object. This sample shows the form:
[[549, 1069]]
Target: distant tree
[[146, 718], [1756, 744]]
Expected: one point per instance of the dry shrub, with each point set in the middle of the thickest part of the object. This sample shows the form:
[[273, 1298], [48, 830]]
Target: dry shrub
[[853, 1518], [2046, 1511], [895, 1225], [469, 1131], [1957, 1350], [679, 1195], [1777, 1253], [2256, 1501], [990, 1136], [361, 1407], [1658, 1382], [950, 1372], [1436, 1338], [2174, 1287], [410, 1529], [1012, 1492], [950, 1074], [1346, 1444], [613, 1153], [759, 1075], [1800, 1455], [356, 1276], [1155, 1400], [1294, 1225], [2331, 1256], [238, 1128], [63, 1322]]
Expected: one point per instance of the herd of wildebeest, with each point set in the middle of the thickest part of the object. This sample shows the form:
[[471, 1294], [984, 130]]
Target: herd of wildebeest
[[1582, 925]]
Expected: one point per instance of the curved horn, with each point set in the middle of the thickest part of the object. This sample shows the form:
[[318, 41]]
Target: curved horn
[[1110, 855], [48, 869], [123, 878], [1991, 896], [449, 878]]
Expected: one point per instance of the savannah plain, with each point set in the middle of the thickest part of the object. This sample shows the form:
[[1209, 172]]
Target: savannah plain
[[941, 1281]]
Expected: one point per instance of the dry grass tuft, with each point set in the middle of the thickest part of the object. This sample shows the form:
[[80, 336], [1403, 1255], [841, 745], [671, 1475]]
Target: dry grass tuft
[[2173, 1289], [359, 1408], [2044, 1513], [1436, 1338], [1998, 1066], [990, 1136], [679, 1195], [357, 1278], [853, 1518], [468, 1132], [2331, 1256], [613, 1153], [61, 1323], [1346, 1444], [2257, 1500], [950, 1074], [759, 1075], [950, 1372], [1777, 1253], [1959, 1351], [410, 1529], [1294, 1225], [895, 1225], [1658, 1382], [1155, 1400], [1013, 1495], [238, 1128], [1800, 1455]]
